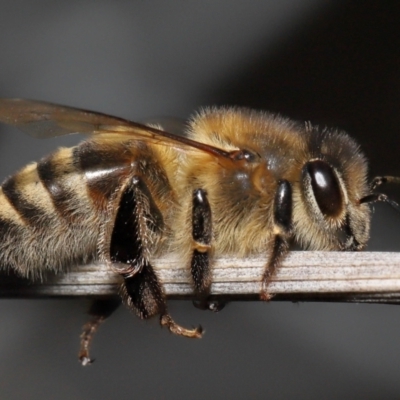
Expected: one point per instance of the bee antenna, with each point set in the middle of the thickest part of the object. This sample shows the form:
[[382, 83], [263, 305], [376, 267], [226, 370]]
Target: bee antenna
[[375, 197], [380, 180]]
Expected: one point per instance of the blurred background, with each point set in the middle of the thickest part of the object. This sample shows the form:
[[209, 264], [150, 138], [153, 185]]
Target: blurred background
[[335, 63]]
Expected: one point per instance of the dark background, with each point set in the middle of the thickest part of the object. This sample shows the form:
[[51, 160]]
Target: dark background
[[332, 62]]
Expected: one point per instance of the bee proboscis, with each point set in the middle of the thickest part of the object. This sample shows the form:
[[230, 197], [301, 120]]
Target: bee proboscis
[[239, 182]]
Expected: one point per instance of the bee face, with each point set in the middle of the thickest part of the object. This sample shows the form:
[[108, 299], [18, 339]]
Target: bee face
[[338, 223], [239, 182], [329, 214]]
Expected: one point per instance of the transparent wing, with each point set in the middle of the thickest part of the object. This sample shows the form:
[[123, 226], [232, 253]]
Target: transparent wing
[[177, 126], [43, 120]]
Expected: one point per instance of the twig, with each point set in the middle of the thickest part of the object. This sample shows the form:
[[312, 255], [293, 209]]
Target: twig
[[304, 276]]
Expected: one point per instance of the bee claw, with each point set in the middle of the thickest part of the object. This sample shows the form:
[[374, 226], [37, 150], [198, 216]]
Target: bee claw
[[265, 296], [85, 360], [212, 305]]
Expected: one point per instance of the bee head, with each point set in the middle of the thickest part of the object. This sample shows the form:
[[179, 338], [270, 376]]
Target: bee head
[[328, 213]]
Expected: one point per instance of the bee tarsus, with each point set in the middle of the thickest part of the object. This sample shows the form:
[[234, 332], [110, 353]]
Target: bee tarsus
[[167, 321], [99, 311]]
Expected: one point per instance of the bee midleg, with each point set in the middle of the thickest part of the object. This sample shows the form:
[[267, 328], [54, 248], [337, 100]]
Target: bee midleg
[[100, 310], [127, 251], [283, 230], [201, 255]]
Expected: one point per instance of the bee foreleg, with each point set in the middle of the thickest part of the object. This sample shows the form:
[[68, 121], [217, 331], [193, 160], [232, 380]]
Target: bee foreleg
[[283, 230], [99, 311], [128, 254]]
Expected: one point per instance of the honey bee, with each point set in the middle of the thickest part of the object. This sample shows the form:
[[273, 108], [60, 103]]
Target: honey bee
[[239, 182]]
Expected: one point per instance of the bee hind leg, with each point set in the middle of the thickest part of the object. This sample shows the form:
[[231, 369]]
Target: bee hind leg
[[143, 293], [283, 228], [125, 247], [99, 311]]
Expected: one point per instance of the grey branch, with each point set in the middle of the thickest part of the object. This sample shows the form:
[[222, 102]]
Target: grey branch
[[321, 276]]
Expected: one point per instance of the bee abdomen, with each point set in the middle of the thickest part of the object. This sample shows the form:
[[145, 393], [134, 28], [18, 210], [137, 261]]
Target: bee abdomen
[[25, 195], [45, 220], [65, 185], [104, 165]]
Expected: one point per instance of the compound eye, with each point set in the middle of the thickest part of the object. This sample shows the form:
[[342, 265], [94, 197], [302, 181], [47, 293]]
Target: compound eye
[[325, 186]]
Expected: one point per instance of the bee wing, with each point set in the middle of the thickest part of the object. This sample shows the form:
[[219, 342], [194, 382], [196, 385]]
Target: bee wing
[[43, 120], [170, 124]]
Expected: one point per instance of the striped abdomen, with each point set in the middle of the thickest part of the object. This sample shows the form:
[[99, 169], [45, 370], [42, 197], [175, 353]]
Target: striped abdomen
[[51, 212]]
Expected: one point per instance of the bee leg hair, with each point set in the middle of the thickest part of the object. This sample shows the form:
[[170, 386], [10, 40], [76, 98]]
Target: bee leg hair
[[128, 251]]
